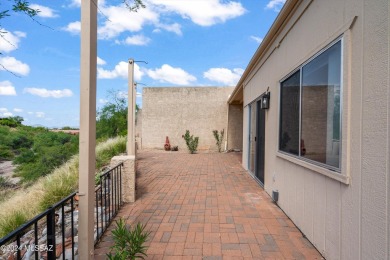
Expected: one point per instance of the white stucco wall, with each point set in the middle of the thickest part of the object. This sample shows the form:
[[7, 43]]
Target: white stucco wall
[[345, 217]]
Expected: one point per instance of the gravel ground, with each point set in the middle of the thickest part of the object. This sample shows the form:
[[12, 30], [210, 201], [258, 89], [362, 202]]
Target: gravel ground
[[7, 170]]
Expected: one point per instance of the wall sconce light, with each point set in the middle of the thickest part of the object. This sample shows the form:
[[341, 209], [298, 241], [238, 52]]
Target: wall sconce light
[[265, 100]]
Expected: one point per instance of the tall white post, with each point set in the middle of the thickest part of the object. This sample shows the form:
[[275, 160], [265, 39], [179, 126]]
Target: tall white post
[[134, 104], [87, 128], [131, 110]]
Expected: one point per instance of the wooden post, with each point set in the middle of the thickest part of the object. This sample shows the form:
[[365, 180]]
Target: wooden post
[[131, 110], [87, 155]]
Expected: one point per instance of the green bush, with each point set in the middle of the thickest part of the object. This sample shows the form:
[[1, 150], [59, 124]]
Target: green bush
[[5, 153], [191, 141], [20, 140], [49, 150], [128, 242]]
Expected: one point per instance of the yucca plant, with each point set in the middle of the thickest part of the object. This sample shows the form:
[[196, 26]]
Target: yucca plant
[[128, 242]]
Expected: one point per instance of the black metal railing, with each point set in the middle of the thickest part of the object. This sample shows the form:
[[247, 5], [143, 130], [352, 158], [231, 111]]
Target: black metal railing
[[108, 199], [38, 237], [52, 233]]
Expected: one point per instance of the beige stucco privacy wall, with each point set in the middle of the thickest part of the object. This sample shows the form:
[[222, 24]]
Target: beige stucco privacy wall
[[170, 111], [345, 215]]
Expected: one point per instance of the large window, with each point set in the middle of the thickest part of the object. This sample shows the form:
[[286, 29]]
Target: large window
[[310, 121]]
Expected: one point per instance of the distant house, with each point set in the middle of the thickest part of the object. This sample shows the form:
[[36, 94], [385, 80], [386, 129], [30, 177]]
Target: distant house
[[324, 141], [70, 131]]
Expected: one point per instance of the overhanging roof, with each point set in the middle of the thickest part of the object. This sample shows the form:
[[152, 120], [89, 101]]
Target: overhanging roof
[[237, 96]]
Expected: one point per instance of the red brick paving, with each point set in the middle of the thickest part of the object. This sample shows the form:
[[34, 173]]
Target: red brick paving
[[206, 206]]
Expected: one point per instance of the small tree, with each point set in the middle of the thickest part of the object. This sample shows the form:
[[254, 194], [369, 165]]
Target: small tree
[[219, 138], [191, 141]]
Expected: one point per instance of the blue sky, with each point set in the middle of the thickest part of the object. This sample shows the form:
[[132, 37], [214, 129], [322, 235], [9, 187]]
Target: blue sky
[[185, 42]]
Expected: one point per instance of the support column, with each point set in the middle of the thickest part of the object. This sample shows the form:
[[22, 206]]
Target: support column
[[87, 127], [131, 110], [134, 104]]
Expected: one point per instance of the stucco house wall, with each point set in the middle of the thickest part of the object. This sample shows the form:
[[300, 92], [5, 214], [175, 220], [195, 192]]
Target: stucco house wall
[[345, 215], [170, 111]]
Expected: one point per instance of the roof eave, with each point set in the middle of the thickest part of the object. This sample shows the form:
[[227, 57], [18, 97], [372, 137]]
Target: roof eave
[[275, 29]]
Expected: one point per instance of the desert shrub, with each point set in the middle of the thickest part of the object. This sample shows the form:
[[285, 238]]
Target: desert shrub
[[49, 151], [15, 219], [191, 141], [219, 138], [20, 140], [5, 153], [128, 242]]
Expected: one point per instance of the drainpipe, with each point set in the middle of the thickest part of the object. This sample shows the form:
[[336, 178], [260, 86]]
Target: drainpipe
[[88, 56]]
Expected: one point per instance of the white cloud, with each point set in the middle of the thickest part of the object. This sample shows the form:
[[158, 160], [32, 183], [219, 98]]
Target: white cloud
[[135, 40], [73, 27], [171, 75], [44, 11], [40, 114], [4, 112], [118, 19], [276, 5], [6, 89], [14, 65], [121, 20], [257, 39], [18, 110], [103, 101], [120, 70], [30, 113], [7, 114], [175, 28], [10, 41], [223, 75], [203, 12], [139, 94], [75, 3], [100, 61], [42, 92]]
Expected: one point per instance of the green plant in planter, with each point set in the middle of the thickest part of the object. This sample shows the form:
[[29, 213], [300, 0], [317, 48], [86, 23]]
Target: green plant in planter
[[128, 242], [191, 141], [219, 138]]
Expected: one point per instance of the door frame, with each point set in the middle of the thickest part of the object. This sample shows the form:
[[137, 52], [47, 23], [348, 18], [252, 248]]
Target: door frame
[[250, 124]]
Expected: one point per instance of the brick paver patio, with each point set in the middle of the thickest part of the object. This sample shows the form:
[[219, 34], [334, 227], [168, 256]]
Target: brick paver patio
[[205, 206]]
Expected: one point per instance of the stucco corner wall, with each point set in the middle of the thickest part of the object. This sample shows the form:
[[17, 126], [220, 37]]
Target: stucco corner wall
[[170, 111], [235, 122]]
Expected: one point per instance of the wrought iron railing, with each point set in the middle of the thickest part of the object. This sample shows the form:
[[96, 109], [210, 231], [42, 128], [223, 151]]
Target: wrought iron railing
[[108, 199], [53, 233]]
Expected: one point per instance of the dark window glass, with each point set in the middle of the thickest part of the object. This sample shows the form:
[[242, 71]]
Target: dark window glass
[[315, 89], [321, 79], [289, 115]]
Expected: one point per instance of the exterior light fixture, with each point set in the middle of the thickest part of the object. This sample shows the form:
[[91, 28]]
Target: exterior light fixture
[[265, 100]]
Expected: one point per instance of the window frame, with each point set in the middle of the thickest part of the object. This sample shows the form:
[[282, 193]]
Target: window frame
[[338, 170]]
